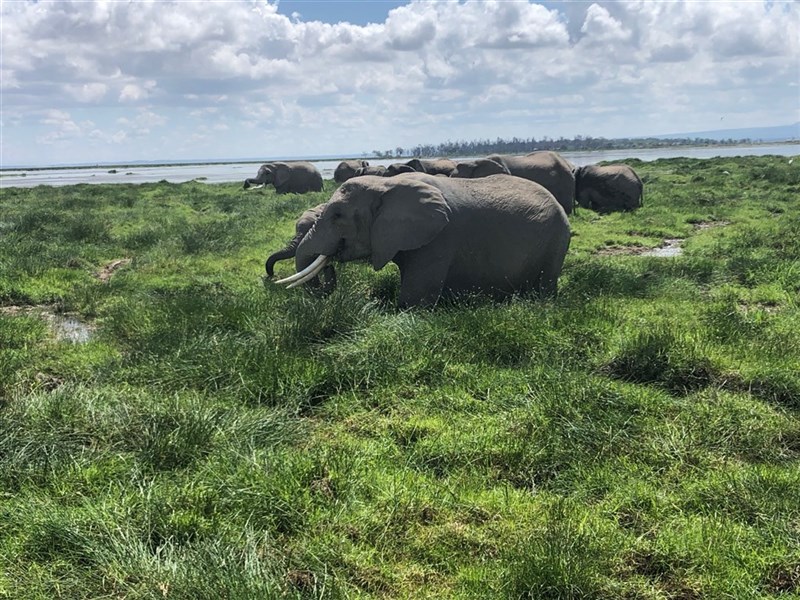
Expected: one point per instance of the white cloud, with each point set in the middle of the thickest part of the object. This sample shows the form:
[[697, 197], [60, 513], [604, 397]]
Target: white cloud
[[605, 68], [88, 92]]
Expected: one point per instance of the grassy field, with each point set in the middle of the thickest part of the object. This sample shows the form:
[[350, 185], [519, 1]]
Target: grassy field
[[217, 436]]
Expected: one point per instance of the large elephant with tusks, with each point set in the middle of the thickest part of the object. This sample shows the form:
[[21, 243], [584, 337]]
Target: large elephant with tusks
[[287, 177], [499, 235]]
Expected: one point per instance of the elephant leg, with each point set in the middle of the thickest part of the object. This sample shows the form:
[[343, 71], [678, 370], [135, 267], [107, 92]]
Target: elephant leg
[[547, 284], [421, 279]]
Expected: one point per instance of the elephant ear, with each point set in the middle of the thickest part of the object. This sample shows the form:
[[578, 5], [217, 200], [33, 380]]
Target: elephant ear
[[408, 216], [282, 174], [488, 167]]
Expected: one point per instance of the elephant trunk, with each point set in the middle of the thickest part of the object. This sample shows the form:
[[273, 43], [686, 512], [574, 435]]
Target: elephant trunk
[[287, 252], [260, 180]]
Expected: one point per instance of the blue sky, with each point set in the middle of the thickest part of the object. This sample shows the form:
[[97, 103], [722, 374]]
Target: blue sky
[[86, 82]]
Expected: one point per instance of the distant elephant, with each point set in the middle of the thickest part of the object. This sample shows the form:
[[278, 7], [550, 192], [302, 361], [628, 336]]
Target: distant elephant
[[397, 168], [436, 166], [304, 223], [479, 167], [546, 168], [288, 177], [378, 171], [608, 188], [347, 169], [498, 234]]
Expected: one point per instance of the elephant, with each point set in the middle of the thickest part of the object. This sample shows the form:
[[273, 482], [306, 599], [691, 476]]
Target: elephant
[[499, 235], [608, 188], [347, 169], [304, 223], [545, 168], [398, 168], [288, 177], [479, 167], [379, 171], [437, 166]]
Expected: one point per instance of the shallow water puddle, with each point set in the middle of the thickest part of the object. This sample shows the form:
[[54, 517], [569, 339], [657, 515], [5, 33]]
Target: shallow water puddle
[[64, 326], [669, 248]]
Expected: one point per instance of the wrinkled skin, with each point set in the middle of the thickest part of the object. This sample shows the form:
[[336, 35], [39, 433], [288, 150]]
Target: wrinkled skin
[[347, 169], [287, 177], [397, 169], [480, 167], [303, 225], [608, 188], [499, 234], [545, 168], [378, 171]]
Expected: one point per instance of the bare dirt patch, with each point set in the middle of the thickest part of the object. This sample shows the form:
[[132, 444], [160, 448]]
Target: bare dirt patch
[[108, 270]]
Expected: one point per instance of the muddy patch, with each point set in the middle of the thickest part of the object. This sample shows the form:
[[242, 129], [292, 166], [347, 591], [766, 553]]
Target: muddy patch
[[669, 247], [67, 327], [710, 224], [108, 271]]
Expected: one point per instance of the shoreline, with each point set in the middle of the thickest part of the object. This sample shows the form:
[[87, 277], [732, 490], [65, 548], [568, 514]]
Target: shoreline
[[7, 171]]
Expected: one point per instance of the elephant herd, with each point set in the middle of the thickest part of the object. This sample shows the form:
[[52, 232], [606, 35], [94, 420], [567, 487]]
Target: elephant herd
[[496, 224]]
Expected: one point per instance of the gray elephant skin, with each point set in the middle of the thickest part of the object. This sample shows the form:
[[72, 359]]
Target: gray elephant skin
[[546, 168], [435, 166], [287, 177], [347, 169], [479, 167], [397, 169], [608, 188], [499, 235], [378, 171]]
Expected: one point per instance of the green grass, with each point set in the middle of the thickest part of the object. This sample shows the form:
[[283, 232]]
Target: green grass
[[221, 437]]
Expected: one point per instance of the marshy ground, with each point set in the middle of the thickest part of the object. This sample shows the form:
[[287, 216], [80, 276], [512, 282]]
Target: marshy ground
[[215, 436]]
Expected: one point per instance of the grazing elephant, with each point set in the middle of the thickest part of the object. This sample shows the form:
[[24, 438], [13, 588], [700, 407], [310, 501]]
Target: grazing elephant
[[397, 168], [378, 171], [436, 166], [304, 223], [480, 167], [608, 188], [498, 234], [347, 169], [545, 168], [288, 177]]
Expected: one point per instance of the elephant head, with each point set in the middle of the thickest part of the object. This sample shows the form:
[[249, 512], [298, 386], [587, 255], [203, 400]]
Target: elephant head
[[436, 166], [481, 167], [276, 173], [302, 227], [397, 169], [347, 169], [378, 170], [371, 218]]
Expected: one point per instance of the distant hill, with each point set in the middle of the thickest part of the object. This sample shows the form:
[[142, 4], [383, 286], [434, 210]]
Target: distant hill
[[779, 133]]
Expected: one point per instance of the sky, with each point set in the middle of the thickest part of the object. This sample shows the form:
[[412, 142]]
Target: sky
[[124, 81]]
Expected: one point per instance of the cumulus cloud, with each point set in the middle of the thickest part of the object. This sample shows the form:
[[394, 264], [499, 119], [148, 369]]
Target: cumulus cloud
[[605, 68]]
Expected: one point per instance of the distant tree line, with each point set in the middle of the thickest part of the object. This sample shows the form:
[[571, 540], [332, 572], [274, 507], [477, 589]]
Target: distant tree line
[[523, 146]]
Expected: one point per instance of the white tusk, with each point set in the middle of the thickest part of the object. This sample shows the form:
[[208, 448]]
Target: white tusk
[[318, 262], [308, 276]]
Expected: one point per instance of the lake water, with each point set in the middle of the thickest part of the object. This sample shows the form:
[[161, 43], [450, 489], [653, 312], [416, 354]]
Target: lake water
[[229, 172]]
